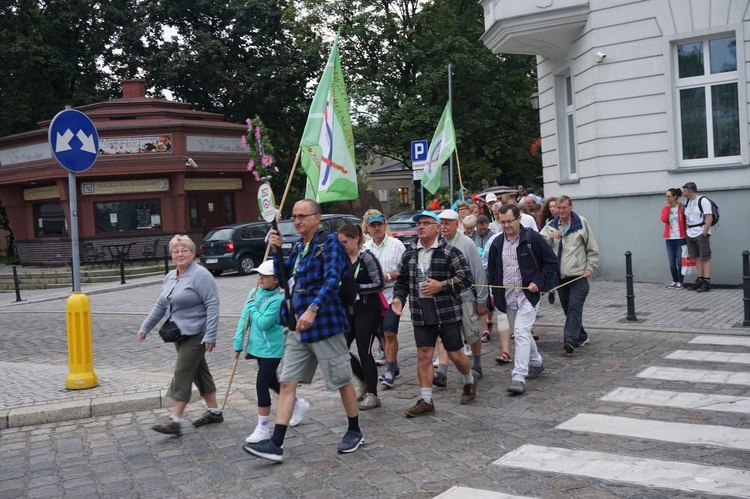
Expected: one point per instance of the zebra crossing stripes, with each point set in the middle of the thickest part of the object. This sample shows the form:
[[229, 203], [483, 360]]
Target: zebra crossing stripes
[[703, 356], [637, 470], [696, 375], [740, 341], [681, 400], [457, 492], [681, 433]]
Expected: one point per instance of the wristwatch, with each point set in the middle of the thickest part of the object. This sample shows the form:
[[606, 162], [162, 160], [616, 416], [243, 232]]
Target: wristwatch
[[314, 308]]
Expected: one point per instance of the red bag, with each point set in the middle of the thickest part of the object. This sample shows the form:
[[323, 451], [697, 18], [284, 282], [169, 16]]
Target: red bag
[[383, 304], [688, 264]]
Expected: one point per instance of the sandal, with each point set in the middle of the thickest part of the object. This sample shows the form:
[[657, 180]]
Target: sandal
[[504, 358]]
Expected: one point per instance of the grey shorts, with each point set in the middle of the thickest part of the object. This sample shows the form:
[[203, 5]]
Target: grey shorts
[[699, 247], [470, 322], [302, 359]]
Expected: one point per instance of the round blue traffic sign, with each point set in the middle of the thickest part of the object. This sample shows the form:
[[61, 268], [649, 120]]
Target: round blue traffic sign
[[74, 140]]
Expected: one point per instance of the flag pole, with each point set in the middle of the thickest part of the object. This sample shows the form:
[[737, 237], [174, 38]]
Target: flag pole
[[458, 167], [450, 103], [289, 182]]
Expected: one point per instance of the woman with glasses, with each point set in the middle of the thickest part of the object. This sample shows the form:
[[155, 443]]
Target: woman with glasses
[[675, 231], [188, 298]]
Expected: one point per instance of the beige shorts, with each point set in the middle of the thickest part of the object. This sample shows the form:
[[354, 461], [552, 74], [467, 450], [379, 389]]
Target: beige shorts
[[470, 322], [302, 359]]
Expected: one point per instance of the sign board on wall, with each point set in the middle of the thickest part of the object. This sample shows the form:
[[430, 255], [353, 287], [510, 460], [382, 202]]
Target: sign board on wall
[[37, 193], [25, 154], [200, 143], [125, 186], [144, 144], [213, 184]]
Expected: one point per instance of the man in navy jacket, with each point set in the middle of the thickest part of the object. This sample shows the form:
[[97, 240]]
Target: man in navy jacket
[[522, 262]]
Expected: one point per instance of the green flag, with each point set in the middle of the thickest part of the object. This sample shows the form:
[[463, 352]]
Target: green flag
[[327, 143], [441, 147]]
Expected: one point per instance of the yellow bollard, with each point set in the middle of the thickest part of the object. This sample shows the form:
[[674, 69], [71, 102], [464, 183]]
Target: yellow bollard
[[80, 346]]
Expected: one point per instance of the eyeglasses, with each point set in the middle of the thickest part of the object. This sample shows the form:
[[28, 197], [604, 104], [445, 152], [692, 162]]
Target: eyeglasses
[[425, 224], [463, 208], [302, 217], [507, 222], [182, 251]]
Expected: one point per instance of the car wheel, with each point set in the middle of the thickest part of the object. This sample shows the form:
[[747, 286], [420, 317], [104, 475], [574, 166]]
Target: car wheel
[[245, 265], [216, 273]]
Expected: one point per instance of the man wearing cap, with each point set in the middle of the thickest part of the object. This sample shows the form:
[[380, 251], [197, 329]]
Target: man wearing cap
[[473, 300], [698, 217], [388, 250], [490, 199], [432, 274]]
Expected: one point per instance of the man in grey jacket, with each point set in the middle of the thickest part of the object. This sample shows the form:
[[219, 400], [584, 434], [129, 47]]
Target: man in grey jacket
[[570, 237]]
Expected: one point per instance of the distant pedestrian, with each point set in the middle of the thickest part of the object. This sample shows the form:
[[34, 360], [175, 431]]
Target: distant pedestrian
[[190, 299], [673, 217], [316, 264], [432, 275], [570, 237], [698, 219], [436, 201], [260, 321]]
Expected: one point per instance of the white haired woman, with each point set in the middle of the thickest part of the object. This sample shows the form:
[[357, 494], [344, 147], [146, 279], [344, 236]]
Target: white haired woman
[[190, 299]]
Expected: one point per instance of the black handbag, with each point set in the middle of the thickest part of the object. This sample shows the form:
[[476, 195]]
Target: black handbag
[[169, 332]]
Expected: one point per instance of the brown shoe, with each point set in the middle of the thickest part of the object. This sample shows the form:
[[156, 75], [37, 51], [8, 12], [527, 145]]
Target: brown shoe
[[470, 392], [421, 408]]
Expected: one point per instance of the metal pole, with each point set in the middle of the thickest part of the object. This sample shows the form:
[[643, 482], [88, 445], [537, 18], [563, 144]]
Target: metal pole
[[421, 189], [166, 259], [450, 103], [630, 294], [746, 286], [16, 284], [122, 267], [74, 231], [72, 275]]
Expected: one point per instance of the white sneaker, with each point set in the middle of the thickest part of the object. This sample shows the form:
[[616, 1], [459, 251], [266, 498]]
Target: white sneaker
[[300, 408], [260, 434], [436, 362], [467, 350]]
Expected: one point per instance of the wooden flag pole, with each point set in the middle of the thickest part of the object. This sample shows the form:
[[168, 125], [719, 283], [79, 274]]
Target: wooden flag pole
[[289, 183], [458, 167]]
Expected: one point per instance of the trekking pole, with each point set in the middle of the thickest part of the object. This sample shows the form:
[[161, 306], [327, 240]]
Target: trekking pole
[[245, 340]]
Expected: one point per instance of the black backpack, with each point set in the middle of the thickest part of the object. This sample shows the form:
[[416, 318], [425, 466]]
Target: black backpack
[[348, 283], [714, 212]]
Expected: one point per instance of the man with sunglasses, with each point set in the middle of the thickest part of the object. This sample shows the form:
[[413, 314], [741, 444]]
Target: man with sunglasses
[[432, 274], [522, 263]]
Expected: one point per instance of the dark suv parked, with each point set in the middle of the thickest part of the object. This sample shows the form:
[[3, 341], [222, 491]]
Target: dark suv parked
[[241, 247]]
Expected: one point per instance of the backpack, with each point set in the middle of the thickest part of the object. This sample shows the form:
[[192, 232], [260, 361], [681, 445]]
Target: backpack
[[714, 212], [348, 283]]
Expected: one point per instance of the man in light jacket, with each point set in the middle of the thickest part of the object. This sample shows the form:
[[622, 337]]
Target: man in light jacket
[[570, 237]]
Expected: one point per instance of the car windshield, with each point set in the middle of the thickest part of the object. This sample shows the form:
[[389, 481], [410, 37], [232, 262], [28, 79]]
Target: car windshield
[[286, 227], [219, 235]]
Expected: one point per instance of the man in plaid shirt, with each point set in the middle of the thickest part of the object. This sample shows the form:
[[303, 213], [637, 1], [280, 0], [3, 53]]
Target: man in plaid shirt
[[432, 273], [315, 266]]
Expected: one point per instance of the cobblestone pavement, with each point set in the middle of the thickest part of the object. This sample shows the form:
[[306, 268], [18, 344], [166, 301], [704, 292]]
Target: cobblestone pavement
[[117, 455]]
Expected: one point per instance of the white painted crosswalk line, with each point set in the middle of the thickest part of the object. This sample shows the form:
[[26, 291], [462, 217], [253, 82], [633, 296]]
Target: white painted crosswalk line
[[702, 356], [637, 470], [706, 339], [696, 375], [469, 493], [683, 400], [681, 433]]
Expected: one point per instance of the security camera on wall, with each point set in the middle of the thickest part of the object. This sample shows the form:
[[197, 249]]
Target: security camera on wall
[[600, 56], [189, 162]]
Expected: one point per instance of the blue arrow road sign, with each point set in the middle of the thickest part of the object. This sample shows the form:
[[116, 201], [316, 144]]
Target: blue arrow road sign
[[418, 150], [74, 140]]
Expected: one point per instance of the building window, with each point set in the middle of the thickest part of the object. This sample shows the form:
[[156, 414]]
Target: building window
[[566, 128], [403, 195], [120, 216], [50, 219], [708, 102]]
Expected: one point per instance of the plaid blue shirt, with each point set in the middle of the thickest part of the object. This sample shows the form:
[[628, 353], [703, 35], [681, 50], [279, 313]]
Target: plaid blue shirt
[[316, 280], [447, 265]]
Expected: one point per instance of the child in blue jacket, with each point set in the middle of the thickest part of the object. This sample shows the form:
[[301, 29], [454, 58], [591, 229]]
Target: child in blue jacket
[[260, 318]]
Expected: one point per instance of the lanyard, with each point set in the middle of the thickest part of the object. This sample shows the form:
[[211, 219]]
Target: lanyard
[[422, 268], [454, 238], [382, 247], [300, 256]]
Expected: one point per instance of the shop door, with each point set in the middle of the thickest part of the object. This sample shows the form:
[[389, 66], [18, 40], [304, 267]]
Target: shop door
[[212, 210]]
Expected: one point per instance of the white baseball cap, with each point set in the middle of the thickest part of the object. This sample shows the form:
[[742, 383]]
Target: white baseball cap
[[490, 198], [265, 268]]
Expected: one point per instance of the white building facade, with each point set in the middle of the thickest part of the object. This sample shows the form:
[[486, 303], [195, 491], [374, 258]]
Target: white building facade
[[637, 96]]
